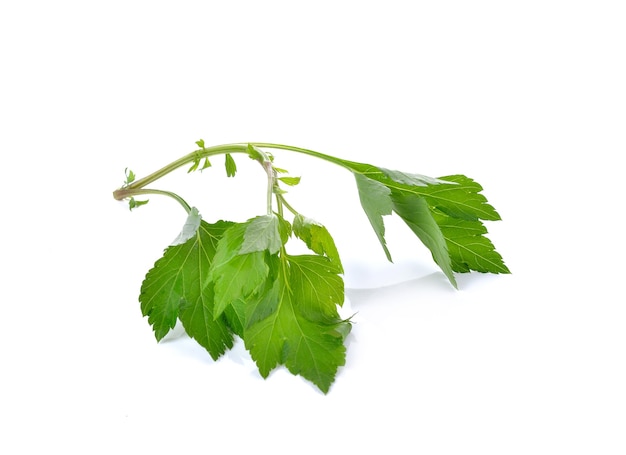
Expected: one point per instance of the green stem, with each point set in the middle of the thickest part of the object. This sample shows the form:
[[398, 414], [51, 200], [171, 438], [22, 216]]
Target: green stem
[[265, 162], [338, 161], [130, 192], [267, 165], [279, 206], [284, 202], [189, 158]]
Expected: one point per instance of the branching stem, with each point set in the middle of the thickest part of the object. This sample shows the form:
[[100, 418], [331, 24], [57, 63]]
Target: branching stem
[[138, 187], [123, 193]]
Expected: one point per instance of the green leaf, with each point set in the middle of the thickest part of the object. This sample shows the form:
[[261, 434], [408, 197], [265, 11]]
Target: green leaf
[[316, 286], [196, 315], [200, 143], [468, 247], [409, 179], [263, 303], [189, 228], [418, 199], [313, 350], [176, 287], [417, 215], [236, 275], [376, 201], [317, 238], [308, 346], [130, 176], [457, 195], [389, 178], [206, 164], [262, 233], [461, 200], [235, 314], [255, 154], [133, 203], [239, 278], [291, 181], [243, 260], [284, 229], [196, 312], [443, 213], [231, 166], [194, 166]]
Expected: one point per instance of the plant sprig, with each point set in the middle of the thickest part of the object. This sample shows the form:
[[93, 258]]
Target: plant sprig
[[227, 279]]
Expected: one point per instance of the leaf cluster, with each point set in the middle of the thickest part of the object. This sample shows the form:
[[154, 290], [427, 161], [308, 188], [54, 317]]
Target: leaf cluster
[[446, 214], [224, 279]]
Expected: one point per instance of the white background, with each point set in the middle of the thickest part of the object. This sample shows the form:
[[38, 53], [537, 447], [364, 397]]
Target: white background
[[528, 98]]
